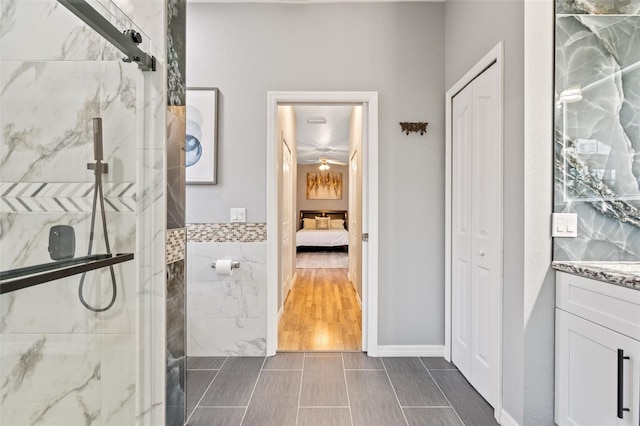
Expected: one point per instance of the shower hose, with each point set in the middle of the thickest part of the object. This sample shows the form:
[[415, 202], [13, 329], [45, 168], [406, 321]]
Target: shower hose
[[98, 194]]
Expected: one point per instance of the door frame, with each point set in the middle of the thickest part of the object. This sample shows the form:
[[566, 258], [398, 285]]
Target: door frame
[[369, 102], [495, 56]]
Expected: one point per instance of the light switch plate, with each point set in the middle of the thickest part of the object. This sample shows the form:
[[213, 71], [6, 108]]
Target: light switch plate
[[238, 215], [564, 225]]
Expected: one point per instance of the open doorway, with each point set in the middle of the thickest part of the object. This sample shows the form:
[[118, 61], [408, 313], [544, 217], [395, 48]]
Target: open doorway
[[320, 293], [357, 274]]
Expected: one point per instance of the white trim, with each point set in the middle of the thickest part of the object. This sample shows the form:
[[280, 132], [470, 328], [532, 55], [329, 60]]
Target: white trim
[[507, 420], [359, 300], [495, 55], [369, 100], [410, 350]]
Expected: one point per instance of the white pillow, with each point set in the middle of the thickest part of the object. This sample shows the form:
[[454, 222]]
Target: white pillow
[[308, 223], [322, 222], [336, 224]]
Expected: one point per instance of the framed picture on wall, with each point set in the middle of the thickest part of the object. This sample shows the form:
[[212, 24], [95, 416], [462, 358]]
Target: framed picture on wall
[[201, 142], [324, 186]]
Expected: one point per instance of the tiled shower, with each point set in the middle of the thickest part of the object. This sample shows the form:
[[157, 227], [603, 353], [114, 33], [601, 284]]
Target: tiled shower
[[61, 363]]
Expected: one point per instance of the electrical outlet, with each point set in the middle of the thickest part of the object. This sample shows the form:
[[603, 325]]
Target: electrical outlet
[[564, 225]]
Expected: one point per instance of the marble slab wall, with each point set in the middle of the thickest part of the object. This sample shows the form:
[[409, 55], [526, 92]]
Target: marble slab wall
[[60, 363], [226, 315], [175, 143], [597, 168]]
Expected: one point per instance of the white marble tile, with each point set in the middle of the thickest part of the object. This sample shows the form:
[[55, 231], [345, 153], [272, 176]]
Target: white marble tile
[[45, 30], [223, 299], [216, 337], [252, 257], [49, 138], [49, 379], [118, 379]]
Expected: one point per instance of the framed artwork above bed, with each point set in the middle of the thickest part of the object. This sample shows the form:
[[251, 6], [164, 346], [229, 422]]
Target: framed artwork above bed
[[324, 186]]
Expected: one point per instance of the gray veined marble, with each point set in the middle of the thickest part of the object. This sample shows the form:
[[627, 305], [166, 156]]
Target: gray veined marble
[[176, 360], [598, 7], [597, 168], [625, 274], [176, 52]]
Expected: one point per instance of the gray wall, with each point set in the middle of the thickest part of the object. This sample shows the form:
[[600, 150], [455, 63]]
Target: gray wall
[[301, 200], [396, 49], [472, 29]]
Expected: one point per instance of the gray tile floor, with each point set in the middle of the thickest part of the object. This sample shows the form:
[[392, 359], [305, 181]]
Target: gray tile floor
[[331, 389]]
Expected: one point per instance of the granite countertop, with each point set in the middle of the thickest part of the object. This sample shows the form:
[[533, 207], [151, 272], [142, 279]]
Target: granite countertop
[[625, 274]]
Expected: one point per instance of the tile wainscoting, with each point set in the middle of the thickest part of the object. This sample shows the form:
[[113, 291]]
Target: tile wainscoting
[[226, 315]]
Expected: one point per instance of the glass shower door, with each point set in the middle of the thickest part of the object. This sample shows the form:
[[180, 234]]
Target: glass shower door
[[70, 299]]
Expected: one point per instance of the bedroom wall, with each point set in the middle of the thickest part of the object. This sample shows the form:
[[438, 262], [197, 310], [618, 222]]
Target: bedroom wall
[[396, 49], [303, 204]]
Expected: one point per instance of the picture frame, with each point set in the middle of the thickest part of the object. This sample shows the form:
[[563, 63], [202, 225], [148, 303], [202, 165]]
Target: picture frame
[[201, 140], [324, 186]]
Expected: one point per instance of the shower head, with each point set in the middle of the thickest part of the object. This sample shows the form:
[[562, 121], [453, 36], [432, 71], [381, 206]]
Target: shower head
[[97, 138]]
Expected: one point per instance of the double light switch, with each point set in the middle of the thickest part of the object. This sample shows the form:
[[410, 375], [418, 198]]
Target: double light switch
[[564, 225], [238, 215]]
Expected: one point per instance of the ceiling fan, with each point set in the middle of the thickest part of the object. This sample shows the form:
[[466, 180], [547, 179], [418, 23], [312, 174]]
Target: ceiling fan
[[324, 163]]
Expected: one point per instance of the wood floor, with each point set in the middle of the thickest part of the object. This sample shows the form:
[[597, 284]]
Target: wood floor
[[321, 313]]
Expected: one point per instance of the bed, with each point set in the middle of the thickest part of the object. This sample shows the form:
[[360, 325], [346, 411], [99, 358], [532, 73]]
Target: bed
[[334, 236]]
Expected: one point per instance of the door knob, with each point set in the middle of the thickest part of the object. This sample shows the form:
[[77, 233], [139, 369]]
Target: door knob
[[481, 253]]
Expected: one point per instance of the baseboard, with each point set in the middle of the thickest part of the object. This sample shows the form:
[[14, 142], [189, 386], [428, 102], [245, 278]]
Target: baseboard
[[359, 301], [410, 350], [506, 419]]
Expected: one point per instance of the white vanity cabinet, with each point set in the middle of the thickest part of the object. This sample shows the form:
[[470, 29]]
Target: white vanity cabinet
[[597, 353]]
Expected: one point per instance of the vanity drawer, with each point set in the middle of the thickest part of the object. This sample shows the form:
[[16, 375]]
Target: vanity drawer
[[610, 305]]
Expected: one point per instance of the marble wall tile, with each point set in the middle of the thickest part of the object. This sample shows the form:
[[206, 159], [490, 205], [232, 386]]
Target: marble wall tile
[[57, 149], [226, 337], [176, 359], [224, 299], [176, 52], [597, 7], [176, 167], [25, 236], [252, 257], [597, 171], [67, 379], [50, 379], [226, 315], [46, 31], [46, 137]]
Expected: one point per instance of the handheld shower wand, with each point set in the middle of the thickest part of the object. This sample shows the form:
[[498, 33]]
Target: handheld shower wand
[[98, 194]]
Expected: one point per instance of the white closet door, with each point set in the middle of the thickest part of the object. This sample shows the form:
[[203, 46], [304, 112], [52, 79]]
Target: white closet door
[[477, 168], [462, 148]]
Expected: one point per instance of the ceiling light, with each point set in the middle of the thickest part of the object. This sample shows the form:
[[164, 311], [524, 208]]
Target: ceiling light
[[317, 120], [324, 166]]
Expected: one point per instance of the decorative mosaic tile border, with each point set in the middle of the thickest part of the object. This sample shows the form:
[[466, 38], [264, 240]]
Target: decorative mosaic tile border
[[226, 232], [176, 245], [64, 197]]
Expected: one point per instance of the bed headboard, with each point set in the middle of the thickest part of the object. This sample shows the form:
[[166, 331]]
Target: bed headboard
[[333, 214]]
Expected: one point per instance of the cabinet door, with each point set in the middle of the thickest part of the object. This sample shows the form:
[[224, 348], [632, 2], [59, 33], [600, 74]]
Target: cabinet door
[[587, 374]]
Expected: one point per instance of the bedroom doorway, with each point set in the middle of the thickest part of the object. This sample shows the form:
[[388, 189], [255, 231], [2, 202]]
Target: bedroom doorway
[[321, 310], [334, 191]]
